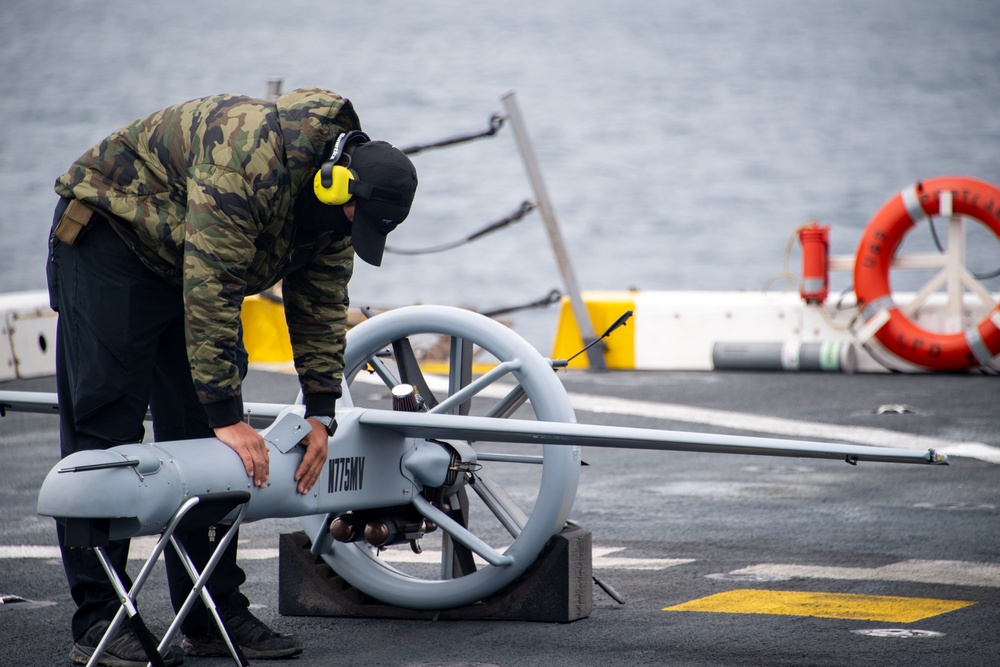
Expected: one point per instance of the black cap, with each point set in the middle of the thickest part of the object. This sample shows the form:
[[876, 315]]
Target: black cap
[[383, 190]]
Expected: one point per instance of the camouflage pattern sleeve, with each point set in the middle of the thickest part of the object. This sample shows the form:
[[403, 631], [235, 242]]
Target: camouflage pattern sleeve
[[219, 233], [316, 301]]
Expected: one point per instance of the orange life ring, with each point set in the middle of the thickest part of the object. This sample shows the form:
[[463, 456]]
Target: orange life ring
[[945, 352]]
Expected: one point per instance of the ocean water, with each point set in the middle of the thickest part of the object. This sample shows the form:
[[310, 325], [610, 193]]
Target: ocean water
[[682, 141]]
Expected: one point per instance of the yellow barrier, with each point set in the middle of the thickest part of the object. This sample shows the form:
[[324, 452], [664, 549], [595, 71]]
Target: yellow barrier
[[604, 309], [265, 333]]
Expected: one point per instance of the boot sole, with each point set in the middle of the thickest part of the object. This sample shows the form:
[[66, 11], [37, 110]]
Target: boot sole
[[220, 650], [81, 656]]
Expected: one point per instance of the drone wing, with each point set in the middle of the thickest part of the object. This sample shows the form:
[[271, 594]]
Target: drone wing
[[444, 427]]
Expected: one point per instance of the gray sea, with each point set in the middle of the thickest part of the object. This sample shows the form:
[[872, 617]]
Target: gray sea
[[682, 141]]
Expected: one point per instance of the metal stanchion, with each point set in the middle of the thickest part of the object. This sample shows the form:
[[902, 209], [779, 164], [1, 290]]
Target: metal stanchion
[[595, 354]]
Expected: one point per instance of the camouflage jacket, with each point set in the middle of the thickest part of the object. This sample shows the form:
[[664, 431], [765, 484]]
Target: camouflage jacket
[[204, 192]]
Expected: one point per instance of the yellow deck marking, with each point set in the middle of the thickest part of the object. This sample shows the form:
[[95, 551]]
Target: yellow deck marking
[[886, 608]]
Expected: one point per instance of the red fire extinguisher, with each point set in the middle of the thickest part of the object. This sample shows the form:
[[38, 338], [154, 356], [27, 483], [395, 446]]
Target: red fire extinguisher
[[815, 240]]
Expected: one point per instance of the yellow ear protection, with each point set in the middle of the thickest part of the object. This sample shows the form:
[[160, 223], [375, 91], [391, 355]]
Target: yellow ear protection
[[332, 182]]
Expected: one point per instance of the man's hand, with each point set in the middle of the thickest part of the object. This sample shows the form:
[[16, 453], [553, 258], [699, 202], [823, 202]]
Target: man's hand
[[312, 464], [250, 446]]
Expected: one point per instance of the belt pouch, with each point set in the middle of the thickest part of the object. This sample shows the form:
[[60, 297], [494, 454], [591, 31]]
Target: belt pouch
[[73, 222]]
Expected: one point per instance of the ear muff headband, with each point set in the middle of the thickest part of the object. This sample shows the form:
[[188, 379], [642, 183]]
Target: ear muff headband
[[332, 182]]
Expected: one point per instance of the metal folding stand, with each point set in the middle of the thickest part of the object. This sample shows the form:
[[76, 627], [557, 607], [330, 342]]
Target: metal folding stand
[[196, 512]]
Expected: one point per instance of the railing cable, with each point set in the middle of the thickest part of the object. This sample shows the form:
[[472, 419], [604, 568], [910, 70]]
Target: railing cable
[[496, 121], [525, 208]]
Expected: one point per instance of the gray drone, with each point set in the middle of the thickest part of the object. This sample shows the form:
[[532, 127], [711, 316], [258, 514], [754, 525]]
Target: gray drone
[[404, 476]]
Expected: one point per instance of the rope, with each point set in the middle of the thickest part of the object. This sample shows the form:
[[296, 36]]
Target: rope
[[940, 247]]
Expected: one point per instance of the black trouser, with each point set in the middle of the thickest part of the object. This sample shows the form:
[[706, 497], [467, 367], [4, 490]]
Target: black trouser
[[120, 348]]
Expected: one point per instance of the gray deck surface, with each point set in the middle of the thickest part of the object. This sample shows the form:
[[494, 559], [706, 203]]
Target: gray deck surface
[[720, 513]]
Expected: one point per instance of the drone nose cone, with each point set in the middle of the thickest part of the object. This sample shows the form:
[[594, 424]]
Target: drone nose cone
[[130, 485]]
